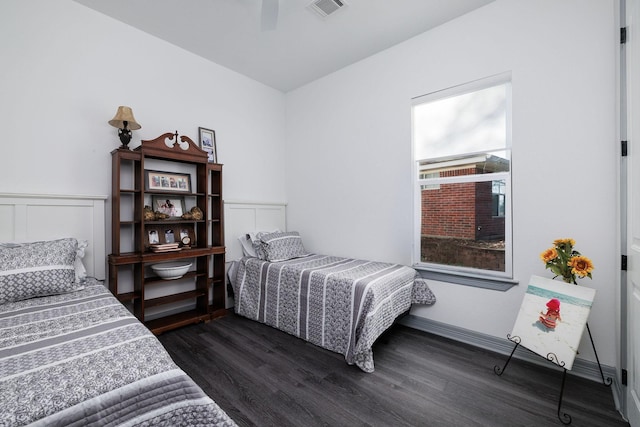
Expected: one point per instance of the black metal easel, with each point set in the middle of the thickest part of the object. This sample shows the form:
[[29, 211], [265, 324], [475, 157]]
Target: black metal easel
[[562, 416]]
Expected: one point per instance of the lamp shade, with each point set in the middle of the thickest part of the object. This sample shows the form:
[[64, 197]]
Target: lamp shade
[[124, 114]]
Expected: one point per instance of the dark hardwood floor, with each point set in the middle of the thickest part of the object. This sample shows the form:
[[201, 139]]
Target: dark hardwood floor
[[264, 377]]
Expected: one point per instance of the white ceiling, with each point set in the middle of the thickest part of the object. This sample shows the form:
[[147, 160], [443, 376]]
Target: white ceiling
[[303, 47]]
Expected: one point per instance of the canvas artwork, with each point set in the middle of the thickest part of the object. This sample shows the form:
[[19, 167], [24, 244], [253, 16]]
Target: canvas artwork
[[552, 318]]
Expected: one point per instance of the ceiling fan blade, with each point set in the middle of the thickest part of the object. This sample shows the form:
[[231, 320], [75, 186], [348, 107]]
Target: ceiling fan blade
[[269, 19]]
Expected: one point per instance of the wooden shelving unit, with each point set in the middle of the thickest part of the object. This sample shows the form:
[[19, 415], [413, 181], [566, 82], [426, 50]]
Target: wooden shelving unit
[[199, 294]]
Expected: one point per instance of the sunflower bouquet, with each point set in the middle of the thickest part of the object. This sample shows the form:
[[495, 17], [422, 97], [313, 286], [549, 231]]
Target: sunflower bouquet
[[566, 262]]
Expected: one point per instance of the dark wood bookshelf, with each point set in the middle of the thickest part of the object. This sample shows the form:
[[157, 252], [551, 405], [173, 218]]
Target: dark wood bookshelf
[[131, 258]]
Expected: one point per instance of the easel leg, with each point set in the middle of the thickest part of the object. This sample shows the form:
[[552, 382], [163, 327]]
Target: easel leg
[[564, 418], [500, 371], [608, 381]]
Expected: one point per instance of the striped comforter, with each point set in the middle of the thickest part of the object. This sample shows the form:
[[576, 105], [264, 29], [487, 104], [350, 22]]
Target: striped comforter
[[82, 359], [340, 304]]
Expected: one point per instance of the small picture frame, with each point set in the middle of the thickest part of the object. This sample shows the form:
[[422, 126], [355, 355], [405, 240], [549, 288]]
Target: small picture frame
[[169, 205], [159, 234], [154, 238], [167, 181], [208, 143]]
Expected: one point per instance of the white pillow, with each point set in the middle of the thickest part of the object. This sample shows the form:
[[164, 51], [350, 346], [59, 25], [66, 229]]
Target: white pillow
[[81, 271], [247, 246]]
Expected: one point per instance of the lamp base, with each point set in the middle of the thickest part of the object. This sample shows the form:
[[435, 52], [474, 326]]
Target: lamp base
[[125, 138]]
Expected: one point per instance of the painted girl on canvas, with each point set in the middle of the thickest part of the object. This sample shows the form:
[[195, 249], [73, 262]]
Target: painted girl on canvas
[[552, 316]]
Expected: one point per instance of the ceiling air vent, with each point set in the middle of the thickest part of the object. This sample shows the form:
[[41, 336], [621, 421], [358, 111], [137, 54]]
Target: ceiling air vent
[[326, 7]]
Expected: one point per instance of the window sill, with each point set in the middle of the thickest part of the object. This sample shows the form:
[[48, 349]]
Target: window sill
[[493, 283]]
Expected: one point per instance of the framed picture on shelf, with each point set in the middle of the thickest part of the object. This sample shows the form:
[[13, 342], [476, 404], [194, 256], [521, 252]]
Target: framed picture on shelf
[[154, 239], [167, 181], [161, 234], [172, 206], [208, 143]]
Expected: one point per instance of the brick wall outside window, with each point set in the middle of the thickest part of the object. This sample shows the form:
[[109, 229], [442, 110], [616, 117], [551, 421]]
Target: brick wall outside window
[[461, 210]]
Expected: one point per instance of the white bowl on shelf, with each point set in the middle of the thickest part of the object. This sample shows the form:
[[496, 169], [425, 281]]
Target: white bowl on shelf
[[171, 270]]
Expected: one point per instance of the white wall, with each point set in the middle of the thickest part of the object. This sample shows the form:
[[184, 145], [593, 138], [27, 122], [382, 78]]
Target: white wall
[[349, 183], [65, 70]]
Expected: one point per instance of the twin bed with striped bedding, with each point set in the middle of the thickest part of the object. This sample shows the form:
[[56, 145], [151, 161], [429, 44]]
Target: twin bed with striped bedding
[[71, 354], [337, 303]]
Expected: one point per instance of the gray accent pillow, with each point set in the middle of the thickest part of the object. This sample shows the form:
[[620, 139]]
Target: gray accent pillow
[[37, 269], [276, 247], [252, 240]]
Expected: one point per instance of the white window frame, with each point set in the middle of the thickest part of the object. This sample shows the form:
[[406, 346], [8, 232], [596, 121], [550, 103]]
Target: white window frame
[[464, 275]]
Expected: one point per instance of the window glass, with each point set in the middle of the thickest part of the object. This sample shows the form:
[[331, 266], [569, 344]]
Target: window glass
[[472, 122], [462, 149]]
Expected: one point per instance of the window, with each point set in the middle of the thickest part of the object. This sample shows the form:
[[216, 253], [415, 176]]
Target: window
[[427, 175], [498, 195], [462, 160]]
